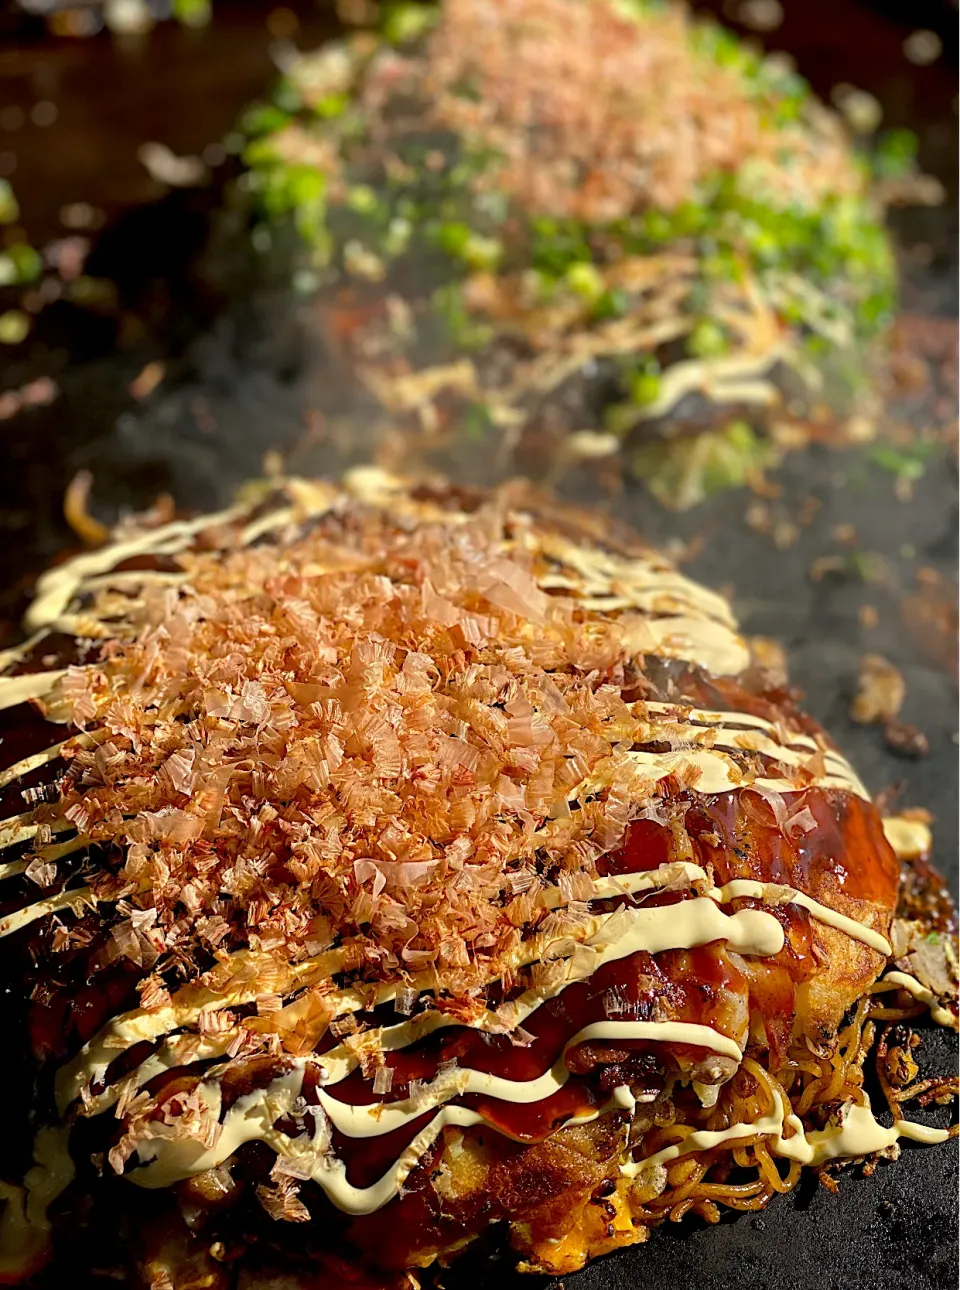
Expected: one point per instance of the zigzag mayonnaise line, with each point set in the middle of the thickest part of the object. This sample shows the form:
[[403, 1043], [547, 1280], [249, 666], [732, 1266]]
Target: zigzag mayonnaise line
[[711, 750], [32, 685], [744, 732], [341, 1062], [383, 1117], [143, 1025], [58, 586], [23, 827], [254, 1116], [746, 887], [78, 900], [703, 630], [691, 923], [716, 771]]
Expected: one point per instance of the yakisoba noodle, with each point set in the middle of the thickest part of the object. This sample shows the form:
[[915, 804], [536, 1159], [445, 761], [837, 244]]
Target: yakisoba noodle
[[389, 861]]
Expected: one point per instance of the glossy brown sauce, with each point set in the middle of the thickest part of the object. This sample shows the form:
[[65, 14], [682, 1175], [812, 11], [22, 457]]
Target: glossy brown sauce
[[738, 836], [24, 731], [150, 562], [64, 1019], [56, 649], [735, 833]]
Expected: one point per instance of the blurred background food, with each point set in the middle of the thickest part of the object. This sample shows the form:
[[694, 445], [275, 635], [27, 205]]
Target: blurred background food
[[579, 232], [683, 304]]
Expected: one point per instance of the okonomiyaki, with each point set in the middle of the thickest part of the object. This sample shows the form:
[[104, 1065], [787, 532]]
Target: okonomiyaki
[[383, 861]]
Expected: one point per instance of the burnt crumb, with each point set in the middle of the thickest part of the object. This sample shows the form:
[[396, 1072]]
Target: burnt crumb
[[880, 691], [900, 1067], [868, 616], [886, 1209], [880, 694], [905, 740], [925, 897], [608, 1209]]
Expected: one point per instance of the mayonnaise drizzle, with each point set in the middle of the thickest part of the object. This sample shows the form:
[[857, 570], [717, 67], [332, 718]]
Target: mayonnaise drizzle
[[379, 1117], [252, 1118], [611, 936], [255, 1115], [14, 654], [741, 887], [170, 1160], [682, 926], [671, 615], [24, 1225], [32, 685], [707, 758], [859, 1133], [21, 828], [59, 585], [178, 1050], [711, 770], [904, 981], [78, 900], [340, 1062], [722, 731], [750, 930], [33, 762]]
